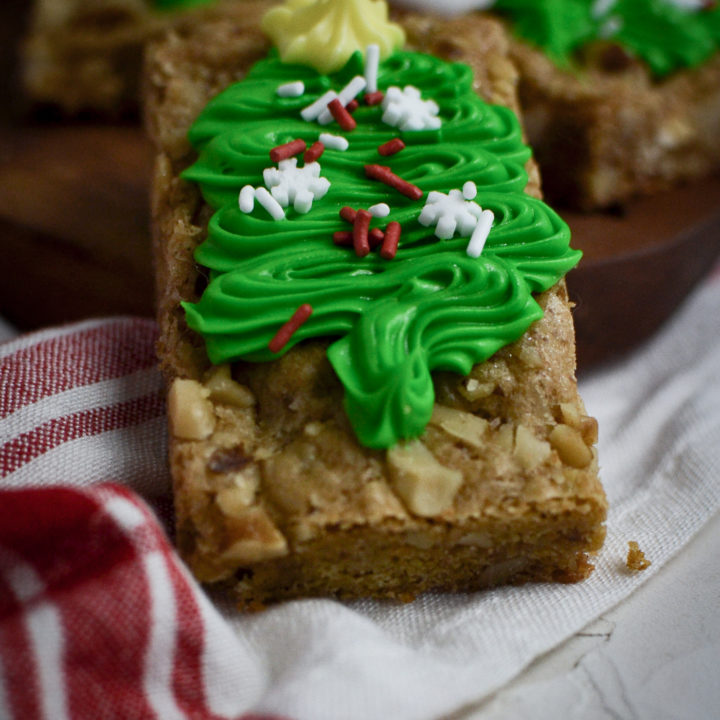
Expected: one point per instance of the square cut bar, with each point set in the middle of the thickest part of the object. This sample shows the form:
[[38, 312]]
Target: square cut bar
[[86, 55], [610, 131], [274, 496]]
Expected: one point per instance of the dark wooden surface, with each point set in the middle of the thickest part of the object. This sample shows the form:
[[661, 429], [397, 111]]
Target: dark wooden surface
[[76, 241]]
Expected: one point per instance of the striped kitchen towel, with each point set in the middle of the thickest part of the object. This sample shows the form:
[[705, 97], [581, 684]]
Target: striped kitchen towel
[[98, 617]]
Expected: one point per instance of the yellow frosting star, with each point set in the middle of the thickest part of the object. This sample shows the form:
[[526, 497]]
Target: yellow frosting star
[[325, 33]]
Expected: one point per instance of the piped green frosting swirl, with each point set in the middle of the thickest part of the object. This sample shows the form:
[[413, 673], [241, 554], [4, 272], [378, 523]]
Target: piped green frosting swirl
[[432, 307], [664, 35]]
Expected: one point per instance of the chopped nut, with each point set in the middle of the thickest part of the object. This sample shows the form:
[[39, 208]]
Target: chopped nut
[[233, 500], [505, 434], [529, 450], [223, 389], [425, 486], [461, 425], [571, 415], [251, 537], [589, 429], [190, 411], [570, 446], [472, 389], [528, 354], [313, 429], [636, 559]]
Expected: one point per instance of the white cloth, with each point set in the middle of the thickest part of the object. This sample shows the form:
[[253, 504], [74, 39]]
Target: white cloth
[[659, 414]]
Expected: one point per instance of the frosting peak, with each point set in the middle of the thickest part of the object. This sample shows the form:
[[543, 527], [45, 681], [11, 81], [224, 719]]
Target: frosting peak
[[325, 33]]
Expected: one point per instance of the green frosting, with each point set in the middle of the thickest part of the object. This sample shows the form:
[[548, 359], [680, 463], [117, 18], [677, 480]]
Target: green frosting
[[665, 36], [432, 307]]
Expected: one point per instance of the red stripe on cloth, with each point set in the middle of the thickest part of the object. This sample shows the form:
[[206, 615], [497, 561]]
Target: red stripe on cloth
[[18, 673], [187, 672], [30, 445], [77, 359], [94, 577]]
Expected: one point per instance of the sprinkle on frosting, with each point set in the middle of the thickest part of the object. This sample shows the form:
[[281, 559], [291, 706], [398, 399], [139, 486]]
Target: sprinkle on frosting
[[314, 152], [372, 62], [344, 118], [374, 98], [386, 175], [480, 233], [285, 333], [334, 142], [300, 186], [380, 210], [405, 109], [291, 89], [450, 214], [325, 33], [344, 97], [288, 150], [391, 147], [391, 240], [273, 207]]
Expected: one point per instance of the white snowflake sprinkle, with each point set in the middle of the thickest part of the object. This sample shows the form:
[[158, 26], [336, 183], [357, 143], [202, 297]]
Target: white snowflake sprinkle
[[290, 184], [405, 109], [450, 213]]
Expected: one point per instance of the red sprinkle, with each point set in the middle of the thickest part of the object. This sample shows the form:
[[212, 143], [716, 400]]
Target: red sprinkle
[[348, 214], [352, 106], [374, 98], [314, 152], [390, 243], [288, 150], [344, 118], [387, 176], [376, 237], [391, 147], [343, 238], [360, 233], [283, 335]]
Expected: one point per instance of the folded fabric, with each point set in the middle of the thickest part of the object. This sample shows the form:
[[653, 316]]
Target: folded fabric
[[99, 619]]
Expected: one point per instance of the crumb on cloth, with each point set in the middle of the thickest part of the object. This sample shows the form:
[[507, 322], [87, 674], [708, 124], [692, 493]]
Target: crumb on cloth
[[636, 559]]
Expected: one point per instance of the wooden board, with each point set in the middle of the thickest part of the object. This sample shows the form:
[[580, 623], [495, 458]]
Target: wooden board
[[637, 268]]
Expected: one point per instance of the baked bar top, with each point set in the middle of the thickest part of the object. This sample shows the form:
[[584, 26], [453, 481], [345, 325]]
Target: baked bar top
[[273, 493], [622, 100], [86, 55]]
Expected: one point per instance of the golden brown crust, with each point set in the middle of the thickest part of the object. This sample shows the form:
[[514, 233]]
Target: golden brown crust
[[274, 495], [603, 135], [86, 55]]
